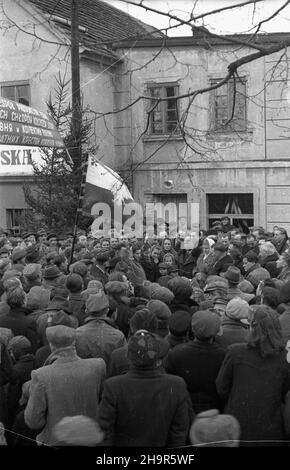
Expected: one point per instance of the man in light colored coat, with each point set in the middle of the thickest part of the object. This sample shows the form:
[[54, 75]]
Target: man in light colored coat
[[98, 337], [66, 386]]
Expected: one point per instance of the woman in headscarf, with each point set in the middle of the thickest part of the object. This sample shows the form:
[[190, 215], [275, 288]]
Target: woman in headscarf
[[168, 248], [150, 261], [255, 378]]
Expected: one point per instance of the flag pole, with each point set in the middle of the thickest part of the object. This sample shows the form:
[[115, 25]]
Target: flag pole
[[80, 204]]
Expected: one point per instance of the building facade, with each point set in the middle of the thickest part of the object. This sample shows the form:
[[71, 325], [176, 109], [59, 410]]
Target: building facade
[[231, 156], [235, 159], [35, 53]]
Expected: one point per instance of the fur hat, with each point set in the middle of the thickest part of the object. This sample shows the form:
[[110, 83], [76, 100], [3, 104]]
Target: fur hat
[[212, 429], [145, 349], [97, 303], [143, 319]]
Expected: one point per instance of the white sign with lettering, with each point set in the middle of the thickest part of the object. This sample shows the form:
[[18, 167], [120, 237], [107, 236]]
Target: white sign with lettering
[[17, 161]]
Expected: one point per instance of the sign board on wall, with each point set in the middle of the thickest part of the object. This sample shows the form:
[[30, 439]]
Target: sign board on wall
[[23, 125], [17, 161]]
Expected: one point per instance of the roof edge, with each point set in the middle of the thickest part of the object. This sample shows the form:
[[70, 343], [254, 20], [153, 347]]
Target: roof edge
[[204, 41]]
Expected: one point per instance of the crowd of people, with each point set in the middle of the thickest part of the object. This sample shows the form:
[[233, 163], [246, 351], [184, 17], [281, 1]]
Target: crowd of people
[[145, 342]]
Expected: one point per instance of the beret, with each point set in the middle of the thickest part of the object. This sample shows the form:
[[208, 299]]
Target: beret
[[159, 308], [205, 324]]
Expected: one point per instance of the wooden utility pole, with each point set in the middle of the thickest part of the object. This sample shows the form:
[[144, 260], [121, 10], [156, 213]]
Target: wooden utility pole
[[76, 93], [76, 149]]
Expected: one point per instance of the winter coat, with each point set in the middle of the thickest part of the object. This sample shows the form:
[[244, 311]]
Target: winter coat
[[234, 331], [284, 320], [119, 362], [256, 273], [20, 325], [187, 261], [138, 410], [204, 264], [150, 268], [98, 273], [136, 274], [179, 303], [77, 307], [284, 275], [198, 363], [221, 265], [21, 373], [254, 388], [5, 377], [41, 355], [98, 338], [236, 292], [58, 390], [269, 263]]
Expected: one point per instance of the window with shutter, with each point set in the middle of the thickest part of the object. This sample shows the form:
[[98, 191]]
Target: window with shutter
[[164, 117], [228, 107]]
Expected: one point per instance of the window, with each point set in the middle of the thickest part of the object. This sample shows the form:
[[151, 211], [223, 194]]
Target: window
[[17, 91], [15, 218], [164, 118], [173, 210], [238, 207], [228, 113]]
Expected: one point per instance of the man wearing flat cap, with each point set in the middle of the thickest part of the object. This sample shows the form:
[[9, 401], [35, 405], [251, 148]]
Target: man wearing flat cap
[[222, 259], [145, 406], [68, 386], [98, 337], [18, 259], [198, 361]]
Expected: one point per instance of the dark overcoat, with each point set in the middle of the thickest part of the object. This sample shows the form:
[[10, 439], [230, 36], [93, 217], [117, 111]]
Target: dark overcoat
[[254, 388]]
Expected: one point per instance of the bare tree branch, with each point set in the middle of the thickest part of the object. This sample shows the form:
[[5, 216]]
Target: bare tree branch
[[219, 10]]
